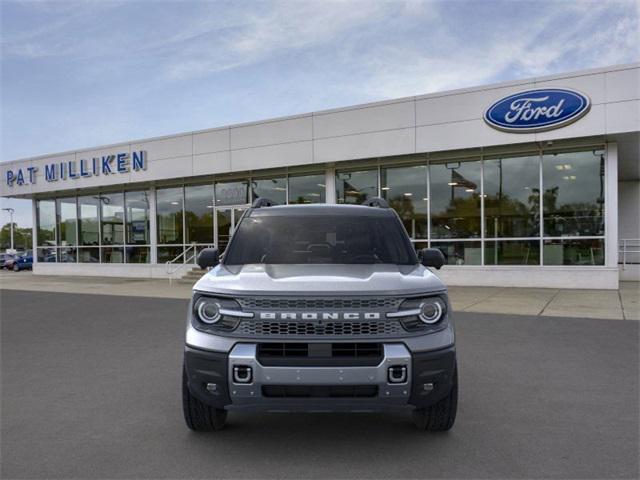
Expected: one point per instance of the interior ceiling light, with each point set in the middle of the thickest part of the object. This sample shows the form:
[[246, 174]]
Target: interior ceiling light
[[452, 184], [408, 194], [385, 188]]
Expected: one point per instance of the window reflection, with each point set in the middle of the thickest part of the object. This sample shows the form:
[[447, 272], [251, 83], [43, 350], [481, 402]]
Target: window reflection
[[88, 227], [356, 187], [112, 218], [67, 213], [460, 253], [405, 188], [137, 218], [455, 199], [169, 207], [198, 213], [307, 188], [274, 189], [512, 252], [574, 252], [232, 193], [573, 198], [512, 197], [46, 218]]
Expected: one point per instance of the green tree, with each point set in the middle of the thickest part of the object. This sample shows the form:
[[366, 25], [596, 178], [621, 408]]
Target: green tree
[[21, 237]]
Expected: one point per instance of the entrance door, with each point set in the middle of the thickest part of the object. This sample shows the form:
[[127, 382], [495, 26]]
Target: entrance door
[[226, 220]]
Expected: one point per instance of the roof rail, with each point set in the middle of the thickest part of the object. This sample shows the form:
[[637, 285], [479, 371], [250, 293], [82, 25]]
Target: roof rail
[[375, 202], [263, 202]]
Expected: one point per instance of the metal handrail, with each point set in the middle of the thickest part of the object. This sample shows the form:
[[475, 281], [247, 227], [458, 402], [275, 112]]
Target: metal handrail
[[186, 261], [628, 245]]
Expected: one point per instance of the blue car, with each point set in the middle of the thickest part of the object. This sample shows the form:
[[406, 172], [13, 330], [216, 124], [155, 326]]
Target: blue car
[[23, 262]]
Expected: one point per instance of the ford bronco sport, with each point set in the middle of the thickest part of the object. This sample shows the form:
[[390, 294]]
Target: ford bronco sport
[[320, 308]]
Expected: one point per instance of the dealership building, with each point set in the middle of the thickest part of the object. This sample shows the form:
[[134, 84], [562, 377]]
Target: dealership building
[[529, 183]]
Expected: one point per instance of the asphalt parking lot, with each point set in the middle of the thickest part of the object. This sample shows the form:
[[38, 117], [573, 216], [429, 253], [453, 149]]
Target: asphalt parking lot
[[91, 389]]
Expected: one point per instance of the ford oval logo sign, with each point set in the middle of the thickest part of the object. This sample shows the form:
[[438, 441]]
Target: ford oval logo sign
[[537, 110]]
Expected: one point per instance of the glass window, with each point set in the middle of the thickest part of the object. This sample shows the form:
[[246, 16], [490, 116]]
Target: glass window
[[573, 252], [169, 207], [89, 255], [198, 213], [274, 189], [455, 200], [46, 222], [137, 218], [166, 254], [512, 252], [320, 238], [88, 221], [460, 253], [573, 198], [512, 197], [307, 188], [232, 193], [356, 187], [67, 254], [137, 254], [112, 255], [405, 188], [112, 217], [67, 221], [47, 254]]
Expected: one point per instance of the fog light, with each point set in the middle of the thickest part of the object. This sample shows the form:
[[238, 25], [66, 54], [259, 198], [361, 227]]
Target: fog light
[[397, 374], [212, 387], [242, 374]]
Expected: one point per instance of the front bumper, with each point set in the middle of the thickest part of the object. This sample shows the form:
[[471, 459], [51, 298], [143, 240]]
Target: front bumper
[[428, 379]]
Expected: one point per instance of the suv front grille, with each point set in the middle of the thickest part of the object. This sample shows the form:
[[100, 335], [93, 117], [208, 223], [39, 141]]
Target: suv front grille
[[315, 329], [319, 303]]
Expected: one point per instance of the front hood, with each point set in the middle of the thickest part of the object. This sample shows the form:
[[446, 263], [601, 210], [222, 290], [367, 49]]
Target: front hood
[[320, 280]]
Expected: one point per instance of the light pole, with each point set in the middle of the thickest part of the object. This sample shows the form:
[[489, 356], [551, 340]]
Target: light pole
[[11, 212]]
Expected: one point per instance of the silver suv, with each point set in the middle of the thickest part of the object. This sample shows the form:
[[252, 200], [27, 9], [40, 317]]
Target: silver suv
[[320, 308]]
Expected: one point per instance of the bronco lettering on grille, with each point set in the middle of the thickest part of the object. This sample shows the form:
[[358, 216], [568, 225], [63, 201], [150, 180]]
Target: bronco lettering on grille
[[320, 316]]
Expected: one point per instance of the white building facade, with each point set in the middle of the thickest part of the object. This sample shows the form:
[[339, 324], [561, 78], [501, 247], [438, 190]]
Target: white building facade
[[531, 183]]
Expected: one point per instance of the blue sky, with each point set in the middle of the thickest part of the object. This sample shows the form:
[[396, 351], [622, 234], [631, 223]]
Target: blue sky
[[80, 74]]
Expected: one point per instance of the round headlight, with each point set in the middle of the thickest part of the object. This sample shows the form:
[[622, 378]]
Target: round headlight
[[431, 311], [208, 311]]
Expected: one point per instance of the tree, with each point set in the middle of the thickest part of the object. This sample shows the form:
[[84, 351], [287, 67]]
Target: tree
[[21, 237]]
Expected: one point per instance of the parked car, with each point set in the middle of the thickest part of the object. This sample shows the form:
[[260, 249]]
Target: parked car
[[7, 261], [23, 262]]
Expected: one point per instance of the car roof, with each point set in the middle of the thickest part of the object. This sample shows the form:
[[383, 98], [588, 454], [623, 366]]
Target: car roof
[[320, 209]]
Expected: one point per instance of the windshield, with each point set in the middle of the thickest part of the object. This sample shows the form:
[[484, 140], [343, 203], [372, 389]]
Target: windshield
[[340, 239]]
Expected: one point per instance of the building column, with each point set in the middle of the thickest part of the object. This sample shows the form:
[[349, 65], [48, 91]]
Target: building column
[[153, 218], [611, 205], [330, 184]]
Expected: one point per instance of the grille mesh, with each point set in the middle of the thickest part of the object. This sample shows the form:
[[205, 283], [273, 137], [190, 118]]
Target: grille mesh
[[310, 329], [318, 303]]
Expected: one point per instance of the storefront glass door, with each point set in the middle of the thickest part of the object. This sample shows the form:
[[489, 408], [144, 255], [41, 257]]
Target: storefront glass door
[[226, 220]]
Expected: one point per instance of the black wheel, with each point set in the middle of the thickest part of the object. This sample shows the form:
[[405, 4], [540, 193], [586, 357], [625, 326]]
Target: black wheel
[[16, 268], [440, 416], [198, 415]]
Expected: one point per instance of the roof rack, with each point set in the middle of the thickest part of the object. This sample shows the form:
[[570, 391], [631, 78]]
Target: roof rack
[[263, 202], [376, 202]]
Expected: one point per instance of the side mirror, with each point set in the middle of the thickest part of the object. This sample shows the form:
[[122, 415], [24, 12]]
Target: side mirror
[[208, 258], [432, 257]]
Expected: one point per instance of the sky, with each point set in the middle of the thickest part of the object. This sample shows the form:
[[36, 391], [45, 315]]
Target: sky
[[86, 73]]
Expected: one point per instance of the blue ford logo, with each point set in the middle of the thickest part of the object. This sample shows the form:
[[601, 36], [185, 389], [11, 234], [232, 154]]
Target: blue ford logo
[[537, 110]]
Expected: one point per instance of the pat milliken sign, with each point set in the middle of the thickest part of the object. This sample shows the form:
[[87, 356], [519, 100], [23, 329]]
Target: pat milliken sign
[[115, 164], [537, 110]]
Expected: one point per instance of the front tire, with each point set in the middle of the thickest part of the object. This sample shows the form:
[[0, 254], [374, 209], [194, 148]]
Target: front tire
[[16, 268], [199, 416], [440, 416]]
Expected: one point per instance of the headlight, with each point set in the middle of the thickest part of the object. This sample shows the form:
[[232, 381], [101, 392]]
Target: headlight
[[431, 310], [208, 310]]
